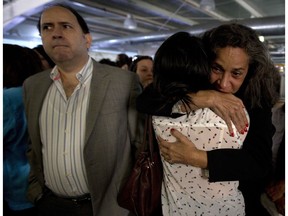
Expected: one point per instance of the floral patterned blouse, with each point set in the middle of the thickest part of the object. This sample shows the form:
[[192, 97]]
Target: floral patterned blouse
[[186, 189]]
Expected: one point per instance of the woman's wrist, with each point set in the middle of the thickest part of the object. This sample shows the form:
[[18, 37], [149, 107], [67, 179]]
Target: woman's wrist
[[202, 159], [203, 99], [199, 159]]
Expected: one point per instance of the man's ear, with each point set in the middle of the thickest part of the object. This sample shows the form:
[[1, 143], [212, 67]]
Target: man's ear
[[88, 38]]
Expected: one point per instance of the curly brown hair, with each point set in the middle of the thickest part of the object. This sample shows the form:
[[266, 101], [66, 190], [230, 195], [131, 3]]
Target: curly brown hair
[[260, 87]]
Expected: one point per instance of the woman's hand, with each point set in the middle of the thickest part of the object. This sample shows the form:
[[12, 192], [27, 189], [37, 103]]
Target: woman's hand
[[182, 151], [227, 106]]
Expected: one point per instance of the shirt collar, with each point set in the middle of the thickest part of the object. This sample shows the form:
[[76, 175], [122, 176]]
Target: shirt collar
[[82, 75]]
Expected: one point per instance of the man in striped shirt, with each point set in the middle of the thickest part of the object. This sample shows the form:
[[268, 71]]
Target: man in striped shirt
[[82, 123]]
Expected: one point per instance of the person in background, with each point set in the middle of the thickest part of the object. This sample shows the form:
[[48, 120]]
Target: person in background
[[233, 50], [15, 136], [180, 67], [108, 62], [82, 123], [275, 188], [143, 66], [123, 61], [45, 59]]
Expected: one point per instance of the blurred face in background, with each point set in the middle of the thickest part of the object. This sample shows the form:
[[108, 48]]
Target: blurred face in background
[[44, 62], [145, 71]]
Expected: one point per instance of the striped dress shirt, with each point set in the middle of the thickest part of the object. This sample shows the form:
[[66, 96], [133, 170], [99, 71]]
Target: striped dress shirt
[[62, 127]]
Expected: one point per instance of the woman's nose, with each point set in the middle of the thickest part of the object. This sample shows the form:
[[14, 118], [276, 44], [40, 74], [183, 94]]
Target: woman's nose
[[223, 81]]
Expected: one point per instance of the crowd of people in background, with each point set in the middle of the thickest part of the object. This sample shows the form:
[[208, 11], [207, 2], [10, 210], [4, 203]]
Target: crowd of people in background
[[62, 157], [15, 164], [142, 65]]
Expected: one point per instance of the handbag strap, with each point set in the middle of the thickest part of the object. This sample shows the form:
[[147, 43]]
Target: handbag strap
[[148, 141], [150, 135]]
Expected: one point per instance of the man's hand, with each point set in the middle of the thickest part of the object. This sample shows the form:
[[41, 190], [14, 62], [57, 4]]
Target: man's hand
[[227, 106]]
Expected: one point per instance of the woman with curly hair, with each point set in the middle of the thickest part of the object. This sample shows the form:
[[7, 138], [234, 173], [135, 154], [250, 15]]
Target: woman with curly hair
[[233, 51]]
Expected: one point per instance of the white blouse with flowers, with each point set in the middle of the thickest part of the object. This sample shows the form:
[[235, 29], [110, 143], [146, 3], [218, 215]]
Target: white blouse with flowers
[[186, 189]]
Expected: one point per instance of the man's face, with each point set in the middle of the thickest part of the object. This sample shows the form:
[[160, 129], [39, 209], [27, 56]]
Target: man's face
[[229, 69], [62, 36]]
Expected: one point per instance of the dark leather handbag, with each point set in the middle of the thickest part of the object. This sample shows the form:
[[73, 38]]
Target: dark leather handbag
[[141, 194]]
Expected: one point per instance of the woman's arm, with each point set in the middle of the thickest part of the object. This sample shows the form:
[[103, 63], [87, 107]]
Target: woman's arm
[[227, 106], [152, 103], [252, 162]]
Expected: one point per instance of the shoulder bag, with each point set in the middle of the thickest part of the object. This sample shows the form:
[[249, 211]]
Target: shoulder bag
[[141, 194]]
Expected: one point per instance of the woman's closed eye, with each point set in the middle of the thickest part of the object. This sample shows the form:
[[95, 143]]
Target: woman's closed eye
[[237, 73], [217, 69]]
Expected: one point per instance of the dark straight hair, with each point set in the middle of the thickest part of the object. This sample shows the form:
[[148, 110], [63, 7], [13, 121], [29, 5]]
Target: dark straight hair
[[180, 67]]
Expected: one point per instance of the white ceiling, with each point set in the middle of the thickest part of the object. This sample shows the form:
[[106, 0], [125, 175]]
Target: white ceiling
[[156, 20]]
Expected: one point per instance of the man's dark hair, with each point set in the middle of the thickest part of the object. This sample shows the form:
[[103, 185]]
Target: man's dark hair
[[79, 18]]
